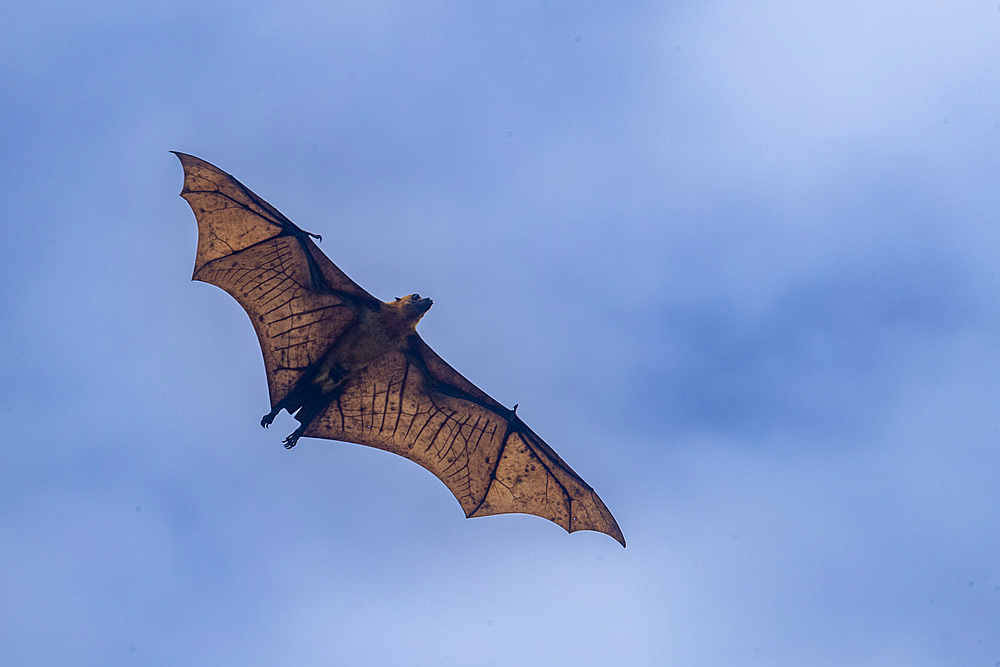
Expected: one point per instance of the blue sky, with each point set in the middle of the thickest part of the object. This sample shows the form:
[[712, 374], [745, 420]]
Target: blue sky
[[737, 262]]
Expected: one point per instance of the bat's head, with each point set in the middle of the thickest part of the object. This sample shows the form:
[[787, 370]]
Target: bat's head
[[413, 306]]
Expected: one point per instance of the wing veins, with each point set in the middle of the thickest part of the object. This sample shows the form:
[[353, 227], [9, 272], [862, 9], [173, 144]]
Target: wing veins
[[309, 312]]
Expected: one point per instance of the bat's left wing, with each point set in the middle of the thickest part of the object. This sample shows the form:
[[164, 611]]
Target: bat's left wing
[[412, 403], [299, 302]]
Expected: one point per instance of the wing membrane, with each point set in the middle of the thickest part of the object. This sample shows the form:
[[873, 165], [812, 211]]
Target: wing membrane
[[298, 301], [491, 461]]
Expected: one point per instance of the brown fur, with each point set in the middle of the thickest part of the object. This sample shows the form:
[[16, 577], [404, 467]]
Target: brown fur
[[376, 333]]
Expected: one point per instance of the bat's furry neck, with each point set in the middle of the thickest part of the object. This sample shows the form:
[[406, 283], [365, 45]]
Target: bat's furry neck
[[405, 312]]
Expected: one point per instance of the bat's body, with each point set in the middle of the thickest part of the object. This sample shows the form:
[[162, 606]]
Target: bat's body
[[353, 368], [375, 334]]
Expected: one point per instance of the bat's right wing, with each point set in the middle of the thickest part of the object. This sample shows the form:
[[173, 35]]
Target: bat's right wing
[[298, 301], [412, 403]]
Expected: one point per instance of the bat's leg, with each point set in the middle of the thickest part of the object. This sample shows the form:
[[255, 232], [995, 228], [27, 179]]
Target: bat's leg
[[306, 414], [294, 400], [307, 390]]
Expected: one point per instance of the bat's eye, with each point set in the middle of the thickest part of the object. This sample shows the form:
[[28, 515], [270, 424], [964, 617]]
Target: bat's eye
[[414, 296]]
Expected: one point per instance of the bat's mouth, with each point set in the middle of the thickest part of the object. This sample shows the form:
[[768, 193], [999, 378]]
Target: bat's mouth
[[424, 304]]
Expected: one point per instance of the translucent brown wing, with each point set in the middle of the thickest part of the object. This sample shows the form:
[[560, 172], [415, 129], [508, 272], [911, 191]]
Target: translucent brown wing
[[298, 301], [414, 404]]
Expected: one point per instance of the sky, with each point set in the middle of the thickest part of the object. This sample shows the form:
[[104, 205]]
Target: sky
[[736, 261]]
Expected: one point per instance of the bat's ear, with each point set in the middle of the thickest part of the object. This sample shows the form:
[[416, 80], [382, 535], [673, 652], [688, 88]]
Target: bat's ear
[[397, 298]]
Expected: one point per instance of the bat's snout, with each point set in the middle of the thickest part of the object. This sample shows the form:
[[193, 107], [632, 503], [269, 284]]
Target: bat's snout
[[417, 303]]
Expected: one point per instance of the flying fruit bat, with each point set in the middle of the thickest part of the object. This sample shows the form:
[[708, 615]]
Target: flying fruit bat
[[352, 368]]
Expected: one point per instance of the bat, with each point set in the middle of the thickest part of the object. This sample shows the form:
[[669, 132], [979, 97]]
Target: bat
[[352, 368]]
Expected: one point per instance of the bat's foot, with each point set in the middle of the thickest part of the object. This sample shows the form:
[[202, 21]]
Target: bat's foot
[[266, 420], [293, 439]]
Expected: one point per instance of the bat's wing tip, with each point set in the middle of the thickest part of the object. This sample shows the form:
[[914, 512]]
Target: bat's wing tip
[[186, 158], [187, 162], [193, 164], [590, 513], [614, 532]]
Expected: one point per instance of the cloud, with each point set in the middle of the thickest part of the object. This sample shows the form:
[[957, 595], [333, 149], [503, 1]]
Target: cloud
[[730, 259]]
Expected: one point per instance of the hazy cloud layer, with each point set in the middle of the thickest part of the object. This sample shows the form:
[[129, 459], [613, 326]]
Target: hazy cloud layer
[[736, 263]]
